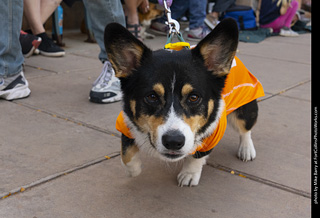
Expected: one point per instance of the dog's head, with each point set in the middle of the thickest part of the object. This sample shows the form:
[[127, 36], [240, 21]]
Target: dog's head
[[172, 99]]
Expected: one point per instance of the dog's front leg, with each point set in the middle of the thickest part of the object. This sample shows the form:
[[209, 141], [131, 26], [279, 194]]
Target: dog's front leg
[[130, 156], [191, 171]]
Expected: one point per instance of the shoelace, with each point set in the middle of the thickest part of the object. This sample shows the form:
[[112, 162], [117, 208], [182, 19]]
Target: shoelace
[[105, 75]]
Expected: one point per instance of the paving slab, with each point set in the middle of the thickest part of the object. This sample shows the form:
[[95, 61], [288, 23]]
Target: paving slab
[[276, 75], [282, 141], [103, 190], [295, 50], [68, 63], [67, 94], [35, 145]]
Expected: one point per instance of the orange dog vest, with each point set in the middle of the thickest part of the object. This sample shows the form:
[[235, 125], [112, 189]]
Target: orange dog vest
[[241, 87]]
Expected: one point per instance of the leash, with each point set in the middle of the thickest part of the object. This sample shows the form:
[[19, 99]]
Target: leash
[[174, 29]]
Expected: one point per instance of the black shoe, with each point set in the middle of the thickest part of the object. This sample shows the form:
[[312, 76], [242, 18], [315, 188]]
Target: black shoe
[[28, 43], [48, 47]]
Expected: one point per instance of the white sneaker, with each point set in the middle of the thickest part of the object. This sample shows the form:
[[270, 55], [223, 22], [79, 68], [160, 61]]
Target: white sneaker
[[107, 88], [285, 31], [198, 34], [14, 87]]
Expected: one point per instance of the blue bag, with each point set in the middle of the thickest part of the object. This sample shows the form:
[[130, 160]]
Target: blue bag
[[244, 15]]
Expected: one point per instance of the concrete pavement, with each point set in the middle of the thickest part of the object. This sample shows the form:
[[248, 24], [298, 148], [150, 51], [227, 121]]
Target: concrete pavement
[[53, 145]]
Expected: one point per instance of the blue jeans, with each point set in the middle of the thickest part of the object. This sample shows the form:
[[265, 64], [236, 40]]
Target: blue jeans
[[101, 13], [11, 58], [196, 8]]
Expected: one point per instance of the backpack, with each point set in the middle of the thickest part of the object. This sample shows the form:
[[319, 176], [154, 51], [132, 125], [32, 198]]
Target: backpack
[[244, 15]]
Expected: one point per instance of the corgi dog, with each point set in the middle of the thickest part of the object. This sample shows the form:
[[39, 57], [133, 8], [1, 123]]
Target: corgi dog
[[176, 103]]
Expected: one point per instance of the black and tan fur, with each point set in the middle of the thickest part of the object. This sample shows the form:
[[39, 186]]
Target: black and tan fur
[[172, 100]]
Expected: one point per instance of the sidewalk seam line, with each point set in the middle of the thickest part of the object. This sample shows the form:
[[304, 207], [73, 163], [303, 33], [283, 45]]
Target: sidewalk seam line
[[285, 90], [261, 180], [68, 119], [57, 175]]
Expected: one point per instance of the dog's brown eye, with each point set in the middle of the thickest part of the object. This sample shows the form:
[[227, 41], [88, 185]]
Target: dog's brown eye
[[152, 98], [193, 98]]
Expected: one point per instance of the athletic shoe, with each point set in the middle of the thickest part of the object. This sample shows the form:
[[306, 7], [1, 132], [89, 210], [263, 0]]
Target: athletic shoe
[[28, 43], [14, 87], [49, 48], [106, 89], [285, 31], [198, 33]]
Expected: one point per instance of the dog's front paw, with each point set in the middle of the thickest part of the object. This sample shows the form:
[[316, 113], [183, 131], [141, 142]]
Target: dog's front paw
[[133, 168], [246, 150], [133, 171], [188, 179], [191, 171]]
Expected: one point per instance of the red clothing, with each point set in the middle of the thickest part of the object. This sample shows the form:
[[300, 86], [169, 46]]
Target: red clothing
[[241, 88]]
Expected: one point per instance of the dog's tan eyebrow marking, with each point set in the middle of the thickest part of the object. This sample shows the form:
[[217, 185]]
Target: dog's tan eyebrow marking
[[186, 89], [133, 107], [159, 89], [210, 107]]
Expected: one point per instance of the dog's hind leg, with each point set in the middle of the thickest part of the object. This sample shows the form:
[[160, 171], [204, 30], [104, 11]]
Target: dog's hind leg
[[130, 156], [243, 119]]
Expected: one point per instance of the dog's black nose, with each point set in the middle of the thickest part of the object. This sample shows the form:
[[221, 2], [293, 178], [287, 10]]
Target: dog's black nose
[[173, 140]]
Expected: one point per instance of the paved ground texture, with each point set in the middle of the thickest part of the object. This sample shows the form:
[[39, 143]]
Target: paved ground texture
[[59, 153]]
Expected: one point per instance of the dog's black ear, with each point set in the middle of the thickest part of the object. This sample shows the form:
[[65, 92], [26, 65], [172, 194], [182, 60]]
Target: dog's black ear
[[125, 52], [218, 48]]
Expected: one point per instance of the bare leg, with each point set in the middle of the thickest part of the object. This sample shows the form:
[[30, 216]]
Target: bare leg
[[37, 12], [130, 10]]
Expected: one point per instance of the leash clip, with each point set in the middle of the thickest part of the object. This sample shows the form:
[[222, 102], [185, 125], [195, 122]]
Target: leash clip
[[174, 29], [174, 26]]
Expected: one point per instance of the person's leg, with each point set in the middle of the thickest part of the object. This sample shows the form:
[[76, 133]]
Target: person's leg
[[130, 10], [276, 25], [283, 20], [101, 13], [32, 11], [36, 13], [106, 88], [13, 84], [197, 11], [292, 9], [47, 8], [132, 18], [11, 58]]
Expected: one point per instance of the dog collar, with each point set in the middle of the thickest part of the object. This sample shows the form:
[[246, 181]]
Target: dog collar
[[177, 46]]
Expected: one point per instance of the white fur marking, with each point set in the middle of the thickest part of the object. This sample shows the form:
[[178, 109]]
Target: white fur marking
[[246, 148], [175, 123], [133, 168], [191, 171], [173, 82]]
